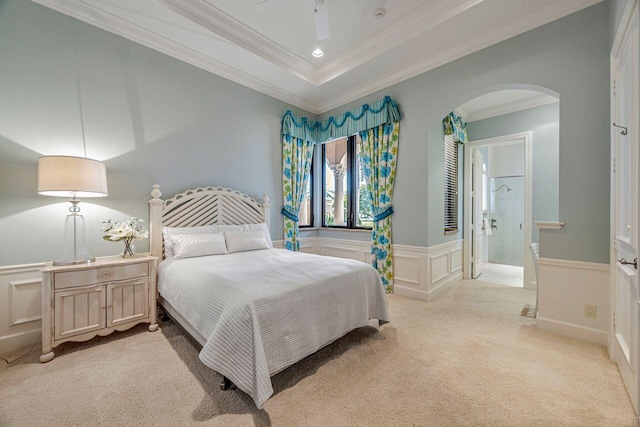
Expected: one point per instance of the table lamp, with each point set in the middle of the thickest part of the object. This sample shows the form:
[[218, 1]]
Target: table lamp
[[73, 177]]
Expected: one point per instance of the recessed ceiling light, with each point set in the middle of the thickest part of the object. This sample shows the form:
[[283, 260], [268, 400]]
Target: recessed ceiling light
[[317, 53]]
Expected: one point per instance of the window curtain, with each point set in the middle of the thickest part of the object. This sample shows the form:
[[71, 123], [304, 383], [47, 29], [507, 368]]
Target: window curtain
[[378, 126], [297, 154], [454, 125], [379, 153]]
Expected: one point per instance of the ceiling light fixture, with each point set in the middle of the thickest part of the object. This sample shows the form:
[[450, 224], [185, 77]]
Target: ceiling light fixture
[[317, 53]]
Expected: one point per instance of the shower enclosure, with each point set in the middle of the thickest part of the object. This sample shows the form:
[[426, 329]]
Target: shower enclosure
[[506, 218]]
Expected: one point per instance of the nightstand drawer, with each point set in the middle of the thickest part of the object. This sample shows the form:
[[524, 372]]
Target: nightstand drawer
[[70, 279]]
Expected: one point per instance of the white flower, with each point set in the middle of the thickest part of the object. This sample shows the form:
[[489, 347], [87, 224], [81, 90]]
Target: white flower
[[131, 228]]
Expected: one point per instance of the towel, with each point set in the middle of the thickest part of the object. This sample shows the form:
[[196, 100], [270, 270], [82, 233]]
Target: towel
[[486, 226]]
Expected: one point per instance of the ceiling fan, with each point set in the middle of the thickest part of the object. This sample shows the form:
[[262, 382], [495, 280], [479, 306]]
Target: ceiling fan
[[319, 8]]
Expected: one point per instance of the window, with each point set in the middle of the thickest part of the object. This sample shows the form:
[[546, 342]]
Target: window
[[345, 199], [305, 216], [450, 184]]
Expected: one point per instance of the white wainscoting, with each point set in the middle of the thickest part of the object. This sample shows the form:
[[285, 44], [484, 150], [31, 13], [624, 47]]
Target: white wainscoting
[[565, 288], [419, 272], [20, 306]]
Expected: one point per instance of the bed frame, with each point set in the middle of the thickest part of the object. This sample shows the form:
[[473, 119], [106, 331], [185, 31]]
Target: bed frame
[[197, 207], [202, 206]]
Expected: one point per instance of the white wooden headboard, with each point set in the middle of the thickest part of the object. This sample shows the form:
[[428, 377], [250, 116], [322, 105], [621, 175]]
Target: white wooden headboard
[[202, 206]]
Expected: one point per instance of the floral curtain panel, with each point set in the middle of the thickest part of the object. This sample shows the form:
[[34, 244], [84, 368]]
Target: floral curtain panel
[[296, 166], [454, 125], [379, 151]]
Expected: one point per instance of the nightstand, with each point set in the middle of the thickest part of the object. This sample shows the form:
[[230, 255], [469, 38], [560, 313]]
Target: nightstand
[[85, 300]]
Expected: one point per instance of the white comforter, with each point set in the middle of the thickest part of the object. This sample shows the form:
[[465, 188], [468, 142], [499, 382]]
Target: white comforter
[[261, 311]]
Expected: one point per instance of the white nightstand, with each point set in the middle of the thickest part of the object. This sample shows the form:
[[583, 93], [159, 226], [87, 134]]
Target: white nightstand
[[82, 301]]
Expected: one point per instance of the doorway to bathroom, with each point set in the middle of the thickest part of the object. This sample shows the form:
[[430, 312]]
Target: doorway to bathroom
[[497, 206]]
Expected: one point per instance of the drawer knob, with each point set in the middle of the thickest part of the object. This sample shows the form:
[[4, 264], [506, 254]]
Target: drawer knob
[[106, 274]]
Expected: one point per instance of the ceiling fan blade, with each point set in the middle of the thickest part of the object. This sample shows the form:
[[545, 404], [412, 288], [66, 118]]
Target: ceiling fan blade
[[322, 21]]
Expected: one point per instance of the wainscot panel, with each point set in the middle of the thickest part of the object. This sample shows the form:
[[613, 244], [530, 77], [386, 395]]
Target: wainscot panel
[[20, 306], [565, 287]]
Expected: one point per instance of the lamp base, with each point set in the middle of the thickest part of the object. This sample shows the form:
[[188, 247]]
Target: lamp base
[[75, 239], [74, 261]]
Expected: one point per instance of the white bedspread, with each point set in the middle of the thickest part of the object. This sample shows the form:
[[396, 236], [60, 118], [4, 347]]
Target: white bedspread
[[264, 310]]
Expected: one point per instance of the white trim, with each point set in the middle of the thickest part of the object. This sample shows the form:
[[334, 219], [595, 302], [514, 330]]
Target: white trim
[[572, 330], [626, 34], [15, 318], [93, 15], [595, 266], [419, 272], [205, 14], [527, 139], [549, 225], [210, 17], [625, 20], [528, 22], [500, 110], [13, 342], [392, 36], [21, 268]]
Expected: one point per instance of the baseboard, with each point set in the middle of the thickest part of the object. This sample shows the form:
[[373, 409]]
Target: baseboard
[[444, 285], [410, 292], [572, 330], [14, 342]]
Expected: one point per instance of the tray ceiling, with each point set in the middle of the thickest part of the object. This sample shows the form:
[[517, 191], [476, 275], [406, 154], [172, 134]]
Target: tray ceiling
[[266, 44]]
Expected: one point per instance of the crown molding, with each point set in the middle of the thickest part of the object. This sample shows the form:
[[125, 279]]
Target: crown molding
[[551, 12], [210, 17], [462, 112], [394, 35], [500, 110], [93, 15]]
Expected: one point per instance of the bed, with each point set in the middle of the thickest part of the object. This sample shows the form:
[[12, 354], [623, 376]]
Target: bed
[[254, 309]]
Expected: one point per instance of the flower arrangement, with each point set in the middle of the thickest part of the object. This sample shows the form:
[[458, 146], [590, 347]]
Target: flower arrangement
[[127, 231]]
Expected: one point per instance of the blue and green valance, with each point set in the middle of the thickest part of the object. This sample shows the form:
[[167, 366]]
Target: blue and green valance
[[368, 116], [454, 125]]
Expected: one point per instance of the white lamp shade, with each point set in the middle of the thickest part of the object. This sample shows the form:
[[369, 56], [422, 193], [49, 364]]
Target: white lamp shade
[[66, 176]]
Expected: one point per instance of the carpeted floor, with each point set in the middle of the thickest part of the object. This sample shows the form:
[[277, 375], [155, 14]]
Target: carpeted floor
[[467, 358]]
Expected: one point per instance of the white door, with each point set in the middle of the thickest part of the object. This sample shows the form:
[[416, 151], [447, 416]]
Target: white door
[[476, 215], [624, 210]]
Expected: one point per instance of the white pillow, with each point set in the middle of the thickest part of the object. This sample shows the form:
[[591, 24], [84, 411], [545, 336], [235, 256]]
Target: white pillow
[[168, 232], [239, 241], [193, 245], [245, 227]]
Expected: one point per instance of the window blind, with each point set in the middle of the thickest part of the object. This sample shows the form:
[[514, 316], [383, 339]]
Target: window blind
[[450, 184]]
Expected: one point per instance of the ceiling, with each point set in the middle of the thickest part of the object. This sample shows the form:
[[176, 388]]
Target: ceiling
[[266, 44]]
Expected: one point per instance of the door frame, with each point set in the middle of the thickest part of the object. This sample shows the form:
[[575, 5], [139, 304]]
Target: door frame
[[628, 23], [527, 138]]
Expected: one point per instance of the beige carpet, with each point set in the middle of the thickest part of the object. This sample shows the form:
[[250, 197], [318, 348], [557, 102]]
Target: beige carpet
[[467, 358]]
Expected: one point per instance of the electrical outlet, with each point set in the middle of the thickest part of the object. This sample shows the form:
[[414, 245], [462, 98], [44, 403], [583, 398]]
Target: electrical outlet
[[590, 310]]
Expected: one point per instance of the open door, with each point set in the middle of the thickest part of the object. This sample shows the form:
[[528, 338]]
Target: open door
[[624, 219], [477, 225]]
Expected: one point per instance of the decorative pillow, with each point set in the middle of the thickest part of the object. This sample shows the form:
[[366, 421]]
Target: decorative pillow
[[194, 245], [246, 227], [239, 241], [168, 232]]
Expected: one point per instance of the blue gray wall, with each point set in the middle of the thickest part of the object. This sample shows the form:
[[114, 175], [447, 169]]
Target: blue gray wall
[[153, 119], [543, 122], [568, 57], [150, 118]]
